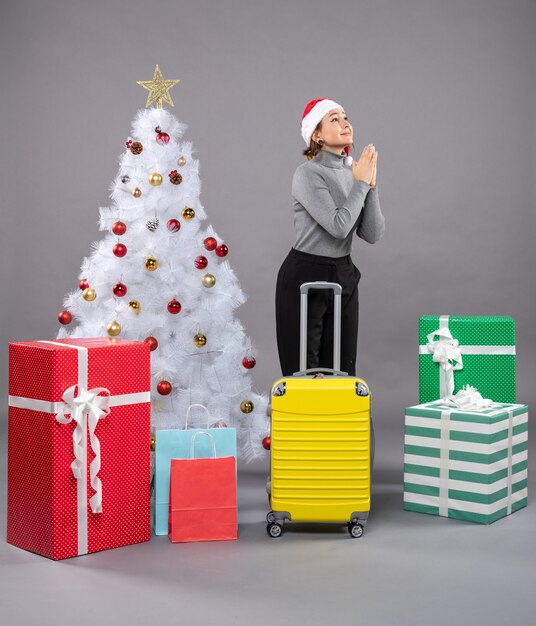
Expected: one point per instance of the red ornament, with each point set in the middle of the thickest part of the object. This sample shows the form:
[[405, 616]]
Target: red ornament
[[162, 138], [249, 362], [119, 228], [153, 343], [164, 388], [210, 243], [173, 225], [119, 290], [174, 307], [201, 262], [84, 284], [120, 249], [128, 143], [64, 317], [266, 442], [222, 250]]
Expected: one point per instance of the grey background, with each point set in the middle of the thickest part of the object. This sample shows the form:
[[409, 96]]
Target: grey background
[[446, 92]]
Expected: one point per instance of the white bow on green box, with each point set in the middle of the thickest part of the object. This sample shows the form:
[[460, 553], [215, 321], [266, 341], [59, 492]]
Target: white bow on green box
[[455, 351]]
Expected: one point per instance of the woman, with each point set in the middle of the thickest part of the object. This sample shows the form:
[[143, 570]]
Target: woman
[[333, 198]]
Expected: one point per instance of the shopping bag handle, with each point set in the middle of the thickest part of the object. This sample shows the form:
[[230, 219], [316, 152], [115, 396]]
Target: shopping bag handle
[[192, 443], [188, 414]]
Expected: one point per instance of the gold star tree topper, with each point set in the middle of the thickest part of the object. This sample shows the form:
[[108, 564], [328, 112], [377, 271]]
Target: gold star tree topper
[[158, 89]]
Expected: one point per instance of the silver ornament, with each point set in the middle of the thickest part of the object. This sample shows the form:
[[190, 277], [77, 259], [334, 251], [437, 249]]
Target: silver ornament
[[152, 224]]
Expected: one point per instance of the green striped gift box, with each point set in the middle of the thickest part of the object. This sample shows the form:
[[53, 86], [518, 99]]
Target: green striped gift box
[[468, 465], [487, 348]]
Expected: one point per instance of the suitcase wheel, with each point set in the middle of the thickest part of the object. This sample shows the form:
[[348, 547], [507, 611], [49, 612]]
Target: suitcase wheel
[[274, 530], [270, 518], [355, 530]]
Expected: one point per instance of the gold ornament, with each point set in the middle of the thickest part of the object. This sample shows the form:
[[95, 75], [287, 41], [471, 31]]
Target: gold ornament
[[200, 340], [246, 406], [135, 306], [137, 192], [113, 329], [158, 89], [188, 213], [151, 263], [89, 294], [155, 179], [208, 280], [181, 161], [153, 443]]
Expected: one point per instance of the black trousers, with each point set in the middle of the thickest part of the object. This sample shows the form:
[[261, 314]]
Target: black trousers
[[302, 267]]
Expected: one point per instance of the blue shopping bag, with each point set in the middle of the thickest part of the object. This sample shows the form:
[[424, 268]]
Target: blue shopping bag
[[175, 444]]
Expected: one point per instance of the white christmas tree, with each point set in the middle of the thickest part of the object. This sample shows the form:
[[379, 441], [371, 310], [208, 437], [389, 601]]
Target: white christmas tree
[[159, 276]]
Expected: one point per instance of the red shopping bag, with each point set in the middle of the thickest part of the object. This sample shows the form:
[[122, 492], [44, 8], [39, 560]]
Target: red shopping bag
[[202, 497]]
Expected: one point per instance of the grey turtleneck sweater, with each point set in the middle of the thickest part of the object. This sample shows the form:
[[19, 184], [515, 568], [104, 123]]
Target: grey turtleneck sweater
[[329, 205]]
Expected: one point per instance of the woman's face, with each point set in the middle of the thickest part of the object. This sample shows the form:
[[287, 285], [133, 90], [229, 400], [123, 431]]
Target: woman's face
[[335, 130]]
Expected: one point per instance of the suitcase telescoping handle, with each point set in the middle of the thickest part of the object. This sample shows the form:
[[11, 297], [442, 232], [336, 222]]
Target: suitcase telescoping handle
[[304, 292]]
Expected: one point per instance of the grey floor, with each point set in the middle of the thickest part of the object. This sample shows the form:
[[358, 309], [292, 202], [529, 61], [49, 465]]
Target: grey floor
[[407, 569]]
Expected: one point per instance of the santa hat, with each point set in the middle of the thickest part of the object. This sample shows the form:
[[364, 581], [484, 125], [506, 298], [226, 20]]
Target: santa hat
[[313, 113]]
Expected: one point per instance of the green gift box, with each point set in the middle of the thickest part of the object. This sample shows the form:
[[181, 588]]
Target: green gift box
[[468, 465], [455, 351]]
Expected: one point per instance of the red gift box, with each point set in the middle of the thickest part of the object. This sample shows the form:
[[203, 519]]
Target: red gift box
[[78, 445]]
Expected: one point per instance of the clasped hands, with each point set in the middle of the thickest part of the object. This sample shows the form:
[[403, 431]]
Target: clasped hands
[[366, 166]]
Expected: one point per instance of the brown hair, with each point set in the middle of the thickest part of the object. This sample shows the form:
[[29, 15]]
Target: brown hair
[[314, 147]]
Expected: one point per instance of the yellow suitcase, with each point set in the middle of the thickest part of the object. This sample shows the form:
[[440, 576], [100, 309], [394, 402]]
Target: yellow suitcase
[[320, 440]]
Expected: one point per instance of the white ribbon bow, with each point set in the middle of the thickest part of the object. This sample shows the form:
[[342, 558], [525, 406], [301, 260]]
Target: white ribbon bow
[[86, 403], [469, 399], [447, 353]]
